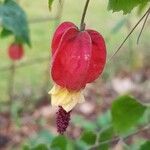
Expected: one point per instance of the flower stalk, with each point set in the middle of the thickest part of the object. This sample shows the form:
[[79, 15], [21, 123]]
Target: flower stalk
[[82, 24]]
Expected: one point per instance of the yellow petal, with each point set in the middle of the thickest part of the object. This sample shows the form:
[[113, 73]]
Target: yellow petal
[[67, 99]]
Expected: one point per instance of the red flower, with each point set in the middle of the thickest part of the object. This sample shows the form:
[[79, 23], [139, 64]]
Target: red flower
[[15, 51], [78, 57]]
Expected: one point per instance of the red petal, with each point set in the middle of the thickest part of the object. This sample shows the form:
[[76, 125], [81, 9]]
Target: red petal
[[58, 34], [98, 58], [71, 60]]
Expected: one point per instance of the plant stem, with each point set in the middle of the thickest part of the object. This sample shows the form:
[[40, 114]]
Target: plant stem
[[143, 26], [144, 128], [82, 24], [129, 35], [11, 83]]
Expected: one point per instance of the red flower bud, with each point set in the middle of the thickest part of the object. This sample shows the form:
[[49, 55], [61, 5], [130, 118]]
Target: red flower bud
[[78, 57], [15, 51]]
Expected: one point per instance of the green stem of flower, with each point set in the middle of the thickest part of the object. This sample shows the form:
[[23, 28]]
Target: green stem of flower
[[82, 24]]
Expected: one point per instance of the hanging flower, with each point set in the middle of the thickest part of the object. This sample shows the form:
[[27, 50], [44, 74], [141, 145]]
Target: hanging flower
[[15, 51], [78, 58]]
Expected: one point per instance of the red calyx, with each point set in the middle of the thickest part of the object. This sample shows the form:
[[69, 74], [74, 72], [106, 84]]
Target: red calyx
[[15, 51], [78, 57]]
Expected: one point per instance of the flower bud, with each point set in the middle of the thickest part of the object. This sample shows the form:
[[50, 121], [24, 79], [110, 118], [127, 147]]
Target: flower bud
[[15, 51]]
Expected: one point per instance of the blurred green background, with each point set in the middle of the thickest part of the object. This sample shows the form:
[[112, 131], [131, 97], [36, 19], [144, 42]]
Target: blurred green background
[[113, 26], [32, 82]]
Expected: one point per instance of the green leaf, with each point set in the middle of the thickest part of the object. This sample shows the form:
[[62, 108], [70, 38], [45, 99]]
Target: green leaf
[[88, 137], [50, 2], [70, 145], [124, 5], [145, 146], [105, 135], [5, 33], [141, 8], [40, 147], [14, 20], [26, 147], [146, 117], [59, 143], [126, 112]]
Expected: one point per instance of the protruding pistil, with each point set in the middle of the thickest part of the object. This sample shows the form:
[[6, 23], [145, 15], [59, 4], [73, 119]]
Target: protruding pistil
[[62, 120]]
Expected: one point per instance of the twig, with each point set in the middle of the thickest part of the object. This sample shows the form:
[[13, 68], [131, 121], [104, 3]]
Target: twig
[[143, 26], [11, 83], [129, 35], [26, 63], [82, 24], [145, 128], [41, 19], [38, 20]]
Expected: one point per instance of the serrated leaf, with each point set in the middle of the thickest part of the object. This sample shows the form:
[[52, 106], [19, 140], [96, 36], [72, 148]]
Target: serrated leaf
[[50, 2], [105, 135], [59, 143], [124, 5], [88, 137], [126, 112], [145, 146], [14, 20]]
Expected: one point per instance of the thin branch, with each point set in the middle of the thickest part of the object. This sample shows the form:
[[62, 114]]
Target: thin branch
[[26, 63], [41, 19], [129, 34], [82, 24], [145, 128], [143, 26], [11, 83]]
